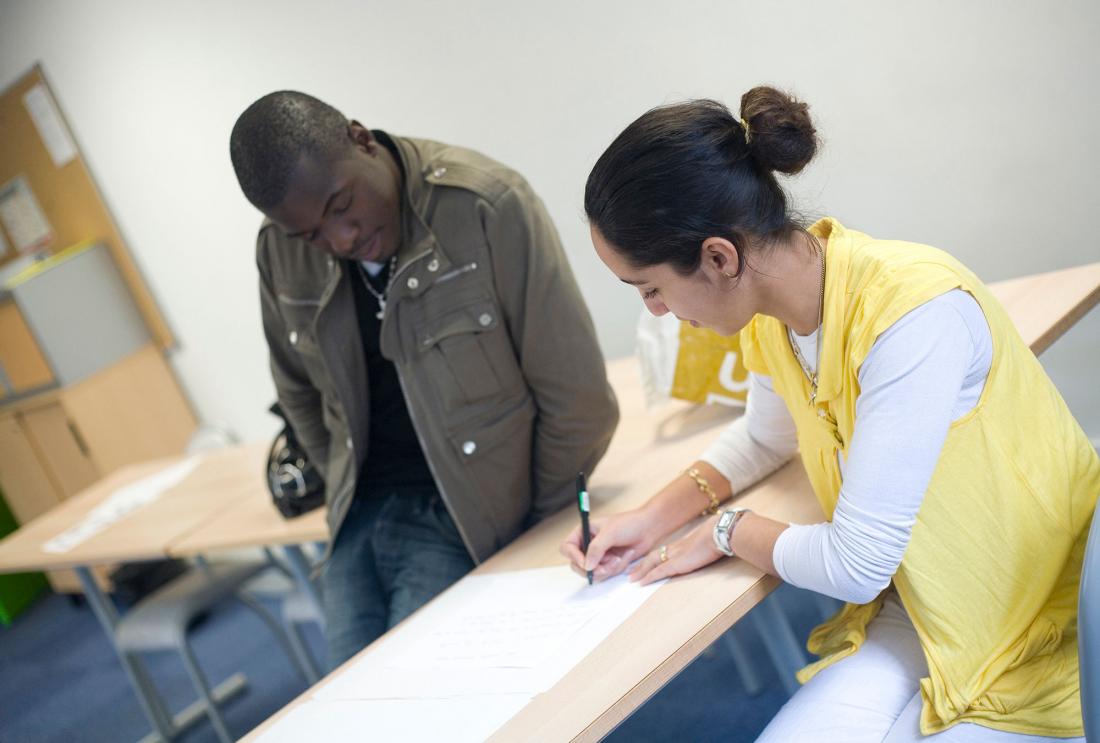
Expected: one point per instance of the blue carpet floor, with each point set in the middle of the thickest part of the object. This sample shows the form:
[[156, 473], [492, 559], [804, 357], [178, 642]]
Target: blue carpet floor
[[61, 681]]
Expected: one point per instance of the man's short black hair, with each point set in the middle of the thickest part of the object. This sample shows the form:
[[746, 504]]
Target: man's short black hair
[[273, 133]]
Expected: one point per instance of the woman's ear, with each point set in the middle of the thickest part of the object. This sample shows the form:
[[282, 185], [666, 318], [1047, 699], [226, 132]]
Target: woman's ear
[[720, 257]]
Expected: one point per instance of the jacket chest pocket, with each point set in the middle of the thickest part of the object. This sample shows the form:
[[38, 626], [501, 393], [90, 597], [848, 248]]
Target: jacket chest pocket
[[298, 318], [454, 350]]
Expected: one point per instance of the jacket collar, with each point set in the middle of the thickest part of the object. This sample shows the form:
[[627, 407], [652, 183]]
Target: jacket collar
[[417, 238], [832, 336]]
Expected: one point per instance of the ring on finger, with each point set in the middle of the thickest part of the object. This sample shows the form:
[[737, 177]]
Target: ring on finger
[[663, 554]]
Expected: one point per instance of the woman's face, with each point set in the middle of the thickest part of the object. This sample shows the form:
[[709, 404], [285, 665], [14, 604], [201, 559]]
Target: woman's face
[[706, 298]]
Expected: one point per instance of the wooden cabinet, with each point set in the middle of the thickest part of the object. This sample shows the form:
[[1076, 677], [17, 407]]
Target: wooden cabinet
[[62, 447], [131, 412], [38, 471], [23, 368], [28, 485], [55, 445]]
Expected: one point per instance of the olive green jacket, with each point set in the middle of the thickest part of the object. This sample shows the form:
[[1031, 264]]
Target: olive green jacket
[[492, 341]]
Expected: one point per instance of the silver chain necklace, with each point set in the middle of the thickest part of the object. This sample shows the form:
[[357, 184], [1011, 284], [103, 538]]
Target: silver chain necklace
[[380, 295], [812, 374]]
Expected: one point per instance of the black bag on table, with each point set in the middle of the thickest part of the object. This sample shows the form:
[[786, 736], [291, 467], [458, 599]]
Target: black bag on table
[[295, 484]]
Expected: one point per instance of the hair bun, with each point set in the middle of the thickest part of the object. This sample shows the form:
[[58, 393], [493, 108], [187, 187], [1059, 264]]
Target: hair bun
[[781, 136]]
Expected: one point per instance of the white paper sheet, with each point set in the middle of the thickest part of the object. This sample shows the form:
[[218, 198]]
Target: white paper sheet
[[122, 502], [513, 632], [403, 721], [51, 128], [23, 218]]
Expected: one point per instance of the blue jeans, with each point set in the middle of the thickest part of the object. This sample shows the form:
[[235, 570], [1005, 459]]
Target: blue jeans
[[395, 551]]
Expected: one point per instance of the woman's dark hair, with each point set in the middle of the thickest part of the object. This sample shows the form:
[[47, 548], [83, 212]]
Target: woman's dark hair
[[688, 171]]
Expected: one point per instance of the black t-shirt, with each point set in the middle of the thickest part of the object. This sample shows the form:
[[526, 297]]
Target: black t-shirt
[[394, 457]]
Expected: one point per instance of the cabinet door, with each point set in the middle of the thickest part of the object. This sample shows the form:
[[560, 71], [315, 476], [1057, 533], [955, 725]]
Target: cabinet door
[[21, 358], [131, 412], [28, 486], [61, 447], [28, 480]]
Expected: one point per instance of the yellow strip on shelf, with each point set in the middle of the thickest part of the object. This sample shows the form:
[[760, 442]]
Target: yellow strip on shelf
[[39, 266]]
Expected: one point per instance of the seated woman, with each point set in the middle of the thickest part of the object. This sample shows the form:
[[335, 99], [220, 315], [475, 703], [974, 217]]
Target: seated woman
[[957, 486]]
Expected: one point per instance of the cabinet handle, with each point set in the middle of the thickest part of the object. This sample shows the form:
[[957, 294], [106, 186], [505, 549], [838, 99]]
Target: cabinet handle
[[80, 443]]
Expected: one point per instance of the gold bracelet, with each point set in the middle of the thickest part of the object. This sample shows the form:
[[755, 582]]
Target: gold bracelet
[[705, 489]]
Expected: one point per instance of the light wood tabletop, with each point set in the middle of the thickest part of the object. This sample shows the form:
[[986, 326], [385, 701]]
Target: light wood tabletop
[[252, 521], [216, 483], [688, 613]]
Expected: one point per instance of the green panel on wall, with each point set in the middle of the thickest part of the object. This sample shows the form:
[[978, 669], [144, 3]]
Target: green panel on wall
[[18, 590]]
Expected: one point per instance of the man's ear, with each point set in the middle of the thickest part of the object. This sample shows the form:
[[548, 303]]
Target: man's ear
[[361, 137], [720, 257]]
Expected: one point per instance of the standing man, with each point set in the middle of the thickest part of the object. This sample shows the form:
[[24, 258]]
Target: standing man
[[429, 346]]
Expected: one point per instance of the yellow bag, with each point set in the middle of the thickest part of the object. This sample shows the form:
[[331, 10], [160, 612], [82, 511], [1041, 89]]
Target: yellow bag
[[687, 363]]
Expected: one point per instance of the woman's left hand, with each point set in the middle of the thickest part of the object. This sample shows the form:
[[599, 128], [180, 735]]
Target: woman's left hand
[[694, 550]]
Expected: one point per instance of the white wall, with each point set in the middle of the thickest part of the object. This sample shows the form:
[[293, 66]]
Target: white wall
[[967, 125]]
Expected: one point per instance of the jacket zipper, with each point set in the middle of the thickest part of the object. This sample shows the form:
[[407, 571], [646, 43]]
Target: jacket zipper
[[431, 468], [420, 438], [292, 302], [457, 272]]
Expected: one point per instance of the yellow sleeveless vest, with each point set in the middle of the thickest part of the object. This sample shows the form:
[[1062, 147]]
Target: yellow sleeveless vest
[[991, 573]]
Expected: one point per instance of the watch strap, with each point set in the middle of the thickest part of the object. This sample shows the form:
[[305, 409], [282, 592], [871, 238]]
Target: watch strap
[[723, 529]]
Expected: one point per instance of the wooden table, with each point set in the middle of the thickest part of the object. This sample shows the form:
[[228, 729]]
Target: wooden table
[[224, 503], [214, 485], [145, 534], [688, 613]]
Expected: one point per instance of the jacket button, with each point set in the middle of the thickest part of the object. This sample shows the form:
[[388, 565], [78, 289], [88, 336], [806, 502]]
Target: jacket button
[[413, 282], [821, 413], [438, 172], [293, 337], [347, 443], [331, 262], [433, 265], [485, 320], [469, 448]]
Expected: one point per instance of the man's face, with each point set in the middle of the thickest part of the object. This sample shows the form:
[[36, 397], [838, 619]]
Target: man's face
[[351, 207]]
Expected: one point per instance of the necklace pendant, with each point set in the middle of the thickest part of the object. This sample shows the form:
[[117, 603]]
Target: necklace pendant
[[381, 308]]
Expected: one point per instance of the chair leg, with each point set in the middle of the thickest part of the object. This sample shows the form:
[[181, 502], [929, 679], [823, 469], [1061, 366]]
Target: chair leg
[[298, 644], [201, 685], [779, 641], [750, 679], [826, 606], [276, 629]]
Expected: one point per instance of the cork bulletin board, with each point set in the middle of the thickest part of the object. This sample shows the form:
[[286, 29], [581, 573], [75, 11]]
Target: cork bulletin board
[[39, 155]]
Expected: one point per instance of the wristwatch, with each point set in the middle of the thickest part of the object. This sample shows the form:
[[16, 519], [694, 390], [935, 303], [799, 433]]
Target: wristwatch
[[724, 527]]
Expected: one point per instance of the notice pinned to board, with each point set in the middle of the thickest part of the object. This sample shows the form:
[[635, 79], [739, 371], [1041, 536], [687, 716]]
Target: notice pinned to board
[[51, 127], [23, 218]]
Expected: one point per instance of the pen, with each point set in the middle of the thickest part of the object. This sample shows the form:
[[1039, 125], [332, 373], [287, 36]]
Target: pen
[[582, 506]]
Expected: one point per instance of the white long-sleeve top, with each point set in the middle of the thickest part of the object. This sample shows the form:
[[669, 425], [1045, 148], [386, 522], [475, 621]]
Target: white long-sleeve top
[[924, 372]]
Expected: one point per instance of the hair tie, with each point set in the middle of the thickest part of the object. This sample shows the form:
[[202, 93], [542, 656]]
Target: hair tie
[[745, 126]]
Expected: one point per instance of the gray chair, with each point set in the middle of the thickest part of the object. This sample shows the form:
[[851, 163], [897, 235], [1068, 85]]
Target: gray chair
[[162, 621], [1088, 633]]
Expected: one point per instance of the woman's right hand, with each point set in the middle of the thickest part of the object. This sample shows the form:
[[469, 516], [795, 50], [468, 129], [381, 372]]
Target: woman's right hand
[[616, 542]]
